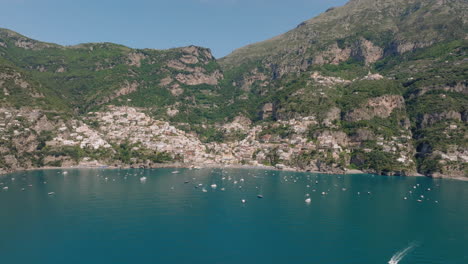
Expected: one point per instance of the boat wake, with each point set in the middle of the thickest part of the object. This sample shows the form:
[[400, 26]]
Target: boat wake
[[402, 253]]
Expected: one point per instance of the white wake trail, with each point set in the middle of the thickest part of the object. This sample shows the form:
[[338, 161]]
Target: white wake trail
[[402, 253]]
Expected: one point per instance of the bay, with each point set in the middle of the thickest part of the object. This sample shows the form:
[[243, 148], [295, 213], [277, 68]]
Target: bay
[[197, 216]]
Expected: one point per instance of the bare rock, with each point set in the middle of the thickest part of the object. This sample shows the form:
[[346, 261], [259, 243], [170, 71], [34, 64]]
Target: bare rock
[[362, 135], [332, 115], [172, 112], [189, 59], [370, 52], [176, 64], [126, 88], [254, 76], [11, 161], [373, 77], [43, 124], [60, 69], [135, 58], [176, 90], [382, 106], [334, 55], [431, 119], [166, 81], [198, 78]]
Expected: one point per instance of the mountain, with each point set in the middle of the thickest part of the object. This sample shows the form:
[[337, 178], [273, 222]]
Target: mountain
[[361, 62], [84, 77], [374, 85]]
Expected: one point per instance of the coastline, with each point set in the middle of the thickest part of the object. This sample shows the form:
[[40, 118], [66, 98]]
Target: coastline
[[219, 166]]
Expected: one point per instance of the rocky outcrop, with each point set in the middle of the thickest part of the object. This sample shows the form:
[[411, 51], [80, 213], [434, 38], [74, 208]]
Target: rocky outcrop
[[369, 52], [165, 81], [176, 90], [404, 47], [189, 59], [431, 119], [135, 58], [251, 78], [126, 88], [198, 77], [334, 55], [332, 115], [178, 65], [376, 107]]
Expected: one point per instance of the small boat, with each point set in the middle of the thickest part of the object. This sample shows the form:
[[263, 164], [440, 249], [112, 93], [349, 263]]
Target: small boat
[[143, 179], [51, 193], [214, 186], [243, 201], [175, 172], [308, 200], [259, 196]]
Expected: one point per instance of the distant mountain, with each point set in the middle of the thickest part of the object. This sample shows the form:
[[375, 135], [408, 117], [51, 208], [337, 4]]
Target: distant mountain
[[366, 30], [83, 77], [374, 85]]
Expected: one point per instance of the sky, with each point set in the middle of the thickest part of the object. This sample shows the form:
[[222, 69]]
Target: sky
[[221, 25]]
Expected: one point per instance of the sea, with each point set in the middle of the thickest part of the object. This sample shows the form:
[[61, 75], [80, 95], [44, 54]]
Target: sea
[[216, 215]]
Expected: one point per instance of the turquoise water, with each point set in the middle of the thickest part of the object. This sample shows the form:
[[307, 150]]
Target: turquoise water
[[111, 216]]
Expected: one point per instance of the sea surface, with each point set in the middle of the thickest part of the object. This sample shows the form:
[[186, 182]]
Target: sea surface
[[198, 216]]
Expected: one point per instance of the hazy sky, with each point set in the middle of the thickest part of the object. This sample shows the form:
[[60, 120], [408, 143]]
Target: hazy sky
[[222, 25]]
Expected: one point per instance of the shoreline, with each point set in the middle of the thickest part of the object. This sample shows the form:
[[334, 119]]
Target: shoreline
[[219, 166]]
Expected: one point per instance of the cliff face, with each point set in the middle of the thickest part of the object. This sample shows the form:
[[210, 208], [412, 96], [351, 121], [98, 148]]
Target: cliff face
[[387, 96]]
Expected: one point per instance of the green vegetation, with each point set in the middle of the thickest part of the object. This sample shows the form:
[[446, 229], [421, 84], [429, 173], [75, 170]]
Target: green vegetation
[[133, 153], [429, 165], [283, 131], [379, 161], [355, 94], [386, 127]]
